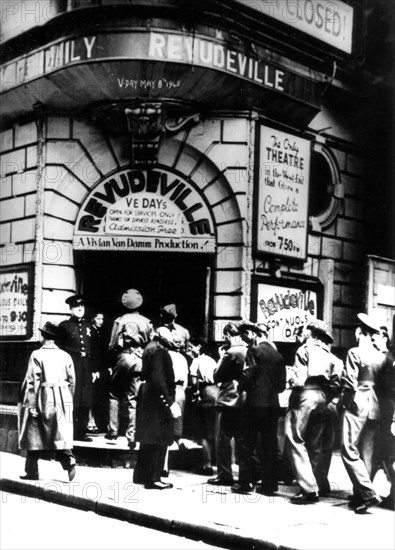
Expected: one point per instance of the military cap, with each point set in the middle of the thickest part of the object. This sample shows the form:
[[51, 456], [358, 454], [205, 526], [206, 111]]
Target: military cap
[[170, 310], [49, 330], [75, 300], [367, 323], [132, 299]]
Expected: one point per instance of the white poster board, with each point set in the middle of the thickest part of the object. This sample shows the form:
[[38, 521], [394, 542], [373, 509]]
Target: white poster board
[[282, 194]]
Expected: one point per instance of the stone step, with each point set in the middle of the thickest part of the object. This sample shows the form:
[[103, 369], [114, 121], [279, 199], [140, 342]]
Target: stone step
[[104, 453]]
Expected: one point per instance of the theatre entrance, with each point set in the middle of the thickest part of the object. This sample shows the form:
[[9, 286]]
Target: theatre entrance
[[183, 279]]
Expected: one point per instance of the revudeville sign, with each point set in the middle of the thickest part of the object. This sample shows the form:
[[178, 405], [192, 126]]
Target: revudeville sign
[[151, 210], [282, 194], [284, 309], [15, 302], [186, 49]]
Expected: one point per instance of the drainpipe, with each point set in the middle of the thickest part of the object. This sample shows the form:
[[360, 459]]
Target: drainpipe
[[39, 223], [247, 262]]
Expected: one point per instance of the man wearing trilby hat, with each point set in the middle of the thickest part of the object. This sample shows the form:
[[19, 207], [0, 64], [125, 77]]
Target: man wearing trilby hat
[[361, 412], [45, 419]]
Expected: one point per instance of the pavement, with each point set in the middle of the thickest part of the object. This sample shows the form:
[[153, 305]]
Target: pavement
[[214, 515]]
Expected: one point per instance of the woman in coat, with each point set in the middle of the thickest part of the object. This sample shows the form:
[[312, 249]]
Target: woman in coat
[[45, 419]]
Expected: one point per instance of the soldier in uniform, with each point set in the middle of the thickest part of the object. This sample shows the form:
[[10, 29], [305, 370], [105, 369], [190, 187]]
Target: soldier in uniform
[[361, 413], [316, 383], [132, 322], [74, 336], [168, 315]]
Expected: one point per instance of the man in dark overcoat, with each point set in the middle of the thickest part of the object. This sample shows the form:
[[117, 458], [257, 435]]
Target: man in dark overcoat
[[75, 338], [156, 410], [263, 380]]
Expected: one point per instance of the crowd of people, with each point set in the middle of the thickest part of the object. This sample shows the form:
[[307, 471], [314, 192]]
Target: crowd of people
[[173, 388]]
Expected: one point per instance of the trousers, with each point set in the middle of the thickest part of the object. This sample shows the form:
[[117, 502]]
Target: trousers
[[150, 463], [305, 425], [64, 456], [358, 436], [263, 421], [228, 427]]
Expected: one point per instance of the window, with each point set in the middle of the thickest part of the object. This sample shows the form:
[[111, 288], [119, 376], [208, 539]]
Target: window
[[326, 190]]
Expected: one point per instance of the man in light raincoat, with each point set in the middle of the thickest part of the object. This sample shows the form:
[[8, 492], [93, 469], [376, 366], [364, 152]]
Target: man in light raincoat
[[45, 419]]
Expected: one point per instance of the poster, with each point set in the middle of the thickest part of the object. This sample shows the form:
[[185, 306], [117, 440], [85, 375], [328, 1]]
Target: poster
[[15, 303], [284, 310], [282, 194]]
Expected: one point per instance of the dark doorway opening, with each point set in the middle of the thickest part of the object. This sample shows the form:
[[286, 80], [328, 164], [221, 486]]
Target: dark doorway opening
[[161, 278]]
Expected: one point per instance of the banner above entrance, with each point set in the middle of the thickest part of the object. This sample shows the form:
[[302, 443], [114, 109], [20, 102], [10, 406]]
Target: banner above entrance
[[154, 210]]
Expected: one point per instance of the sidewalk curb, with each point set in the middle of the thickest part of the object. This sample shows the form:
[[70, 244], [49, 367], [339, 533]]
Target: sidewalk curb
[[205, 533]]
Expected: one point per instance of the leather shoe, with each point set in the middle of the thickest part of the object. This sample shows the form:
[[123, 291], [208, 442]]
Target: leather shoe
[[164, 473], [305, 498], [71, 472], [111, 437], [243, 488], [30, 477], [220, 481], [365, 505], [158, 485]]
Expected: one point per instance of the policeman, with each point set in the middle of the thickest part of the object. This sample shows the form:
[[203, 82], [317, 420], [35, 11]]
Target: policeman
[[75, 338]]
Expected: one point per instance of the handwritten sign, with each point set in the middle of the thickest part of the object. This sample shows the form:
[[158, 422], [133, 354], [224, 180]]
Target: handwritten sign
[[145, 209], [14, 303], [284, 310], [283, 190]]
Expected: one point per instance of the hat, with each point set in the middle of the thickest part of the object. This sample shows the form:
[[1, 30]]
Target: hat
[[169, 310], [133, 340], [166, 336], [49, 329], [367, 322], [75, 300], [249, 325], [320, 328], [132, 299]]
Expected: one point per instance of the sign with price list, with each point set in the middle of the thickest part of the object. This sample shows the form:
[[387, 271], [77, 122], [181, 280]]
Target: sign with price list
[[15, 302], [282, 194]]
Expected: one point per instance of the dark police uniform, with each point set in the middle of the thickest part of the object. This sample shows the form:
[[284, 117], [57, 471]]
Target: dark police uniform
[[75, 338]]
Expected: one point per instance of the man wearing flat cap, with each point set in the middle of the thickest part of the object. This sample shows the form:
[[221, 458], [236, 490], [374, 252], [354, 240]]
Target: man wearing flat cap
[[132, 322], [75, 338], [315, 384], [361, 412]]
